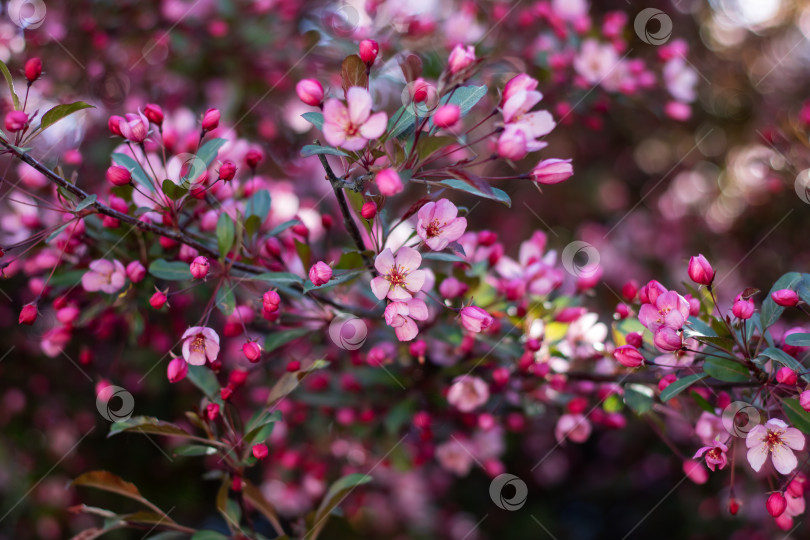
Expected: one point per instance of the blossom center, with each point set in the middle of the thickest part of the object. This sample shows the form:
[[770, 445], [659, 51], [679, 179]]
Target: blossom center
[[773, 438], [434, 228], [198, 344]]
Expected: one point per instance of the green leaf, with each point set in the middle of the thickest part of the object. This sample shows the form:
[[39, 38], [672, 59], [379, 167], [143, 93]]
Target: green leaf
[[282, 337], [771, 311], [337, 492], [702, 403], [314, 149], [465, 97], [680, 385], [726, 370], [798, 340], [226, 302], [314, 118], [289, 382], [191, 450], [278, 229], [208, 151], [225, 233], [796, 414], [459, 185], [147, 424], [138, 174], [638, 397], [107, 481], [172, 190], [778, 355], [204, 379], [62, 111], [336, 280], [10, 82], [446, 257], [170, 270], [88, 201], [277, 277], [258, 205]]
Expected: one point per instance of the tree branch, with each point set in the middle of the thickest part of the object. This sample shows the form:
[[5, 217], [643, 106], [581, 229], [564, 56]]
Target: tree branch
[[641, 379]]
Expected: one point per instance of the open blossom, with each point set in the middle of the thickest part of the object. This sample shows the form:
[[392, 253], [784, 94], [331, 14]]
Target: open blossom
[[352, 126], [584, 337], [106, 276], [521, 127], [400, 276], [776, 438], [715, 455], [670, 309], [401, 315], [572, 427], [438, 224], [468, 393], [134, 128], [200, 343], [454, 456]]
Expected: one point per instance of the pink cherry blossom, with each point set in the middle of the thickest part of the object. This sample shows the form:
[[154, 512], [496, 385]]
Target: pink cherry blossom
[[670, 309], [105, 276], [438, 224], [135, 127], [715, 455], [352, 126], [776, 438], [475, 319], [200, 343], [460, 58], [400, 276], [468, 393], [401, 315]]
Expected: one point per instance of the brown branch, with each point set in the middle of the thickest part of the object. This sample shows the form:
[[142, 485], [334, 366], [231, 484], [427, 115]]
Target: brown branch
[[642, 379], [174, 234]]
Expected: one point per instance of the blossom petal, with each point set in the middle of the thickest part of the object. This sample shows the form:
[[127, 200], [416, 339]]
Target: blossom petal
[[415, 281], [196, 358], [92, 281], [359, 101], [407, 331], [418, 309], [538, 123], [783, 459], [793, 438], [375, 126], [757, 456], [380, 286], [399, 294], [408, 259], [755, 436], [384, 262], [454, 229]]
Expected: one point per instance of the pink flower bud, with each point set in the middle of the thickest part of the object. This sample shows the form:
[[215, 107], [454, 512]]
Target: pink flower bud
[[650, 292], [113, 124], [475, 319], [634, 339], [785, 297], [28, 314], [309, 91], [797, 485], [700, 271], [452, 288], [804, 400], [368, 51], [667, 339], [570, 314], [154, 114], [210, 119], [447, 116], [694, 305], [260, 451], [388, 182], [136, 272], [158, 300], [327, 221], [552, 171], [16, 120], [320, 273], [733, 506], [226, 392], [628, 356], [665, 381], [253, 351], [742, 308], [460, 58], [271, 301], [776, 504], [118, 176], [253, 157], [696, 472], [177, 370], [785, 375], [418, 348], [227, 170], [630, 290], [33, 69], [212, 411], [369, 210], [622, 310], [420, 90], [199, 267]]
